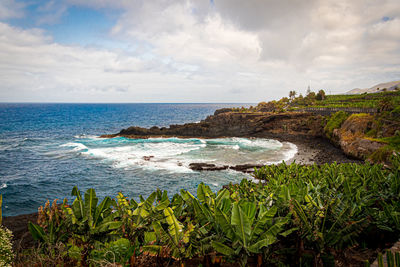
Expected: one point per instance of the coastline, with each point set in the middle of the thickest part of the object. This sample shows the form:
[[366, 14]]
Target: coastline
[[309, 151], [316, 150], [311, 147]]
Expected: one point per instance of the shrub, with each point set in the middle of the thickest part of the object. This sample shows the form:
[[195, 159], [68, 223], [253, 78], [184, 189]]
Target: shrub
[[320, 95], [334, 122], [386, 104], [294, 212], [6, 252]]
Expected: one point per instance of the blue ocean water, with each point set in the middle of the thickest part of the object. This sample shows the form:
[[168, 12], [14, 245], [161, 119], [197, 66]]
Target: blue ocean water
[[46, 149]]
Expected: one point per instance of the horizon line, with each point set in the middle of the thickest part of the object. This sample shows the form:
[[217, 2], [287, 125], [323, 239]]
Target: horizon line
[[128, 102]]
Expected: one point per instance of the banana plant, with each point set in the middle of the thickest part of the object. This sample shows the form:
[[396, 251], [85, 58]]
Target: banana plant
[[120, 252], [248, 228], [90, 223], [136, 217], [326, 224], [52, 225], [172, 236]]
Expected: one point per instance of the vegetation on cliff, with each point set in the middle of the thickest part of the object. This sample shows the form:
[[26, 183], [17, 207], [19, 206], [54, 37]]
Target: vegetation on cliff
[[296, 215], [335, 122], [364, 136]]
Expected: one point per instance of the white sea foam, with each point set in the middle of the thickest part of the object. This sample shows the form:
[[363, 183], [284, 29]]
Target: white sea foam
[[175, 154], [291, 152], [151, 155], [288, 151], [76, 146], [247, 143], [4, 185], [85, 136]]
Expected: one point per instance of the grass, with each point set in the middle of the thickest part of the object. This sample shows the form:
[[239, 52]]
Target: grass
[[392, 142], [352, 101], [334, 122]]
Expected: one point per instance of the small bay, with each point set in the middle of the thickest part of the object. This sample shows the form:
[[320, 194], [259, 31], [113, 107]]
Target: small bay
[[46, 149]]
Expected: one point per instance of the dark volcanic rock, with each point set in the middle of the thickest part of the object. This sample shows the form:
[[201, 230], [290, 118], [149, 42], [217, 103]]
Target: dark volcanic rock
[[206, 167], [222, 110], [296, 127], [19, 226], [212, 167], [245, 167], [236, 124], [148, 158]]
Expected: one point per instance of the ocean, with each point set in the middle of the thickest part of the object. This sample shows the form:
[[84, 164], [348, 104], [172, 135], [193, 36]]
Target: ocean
[[47, 149]]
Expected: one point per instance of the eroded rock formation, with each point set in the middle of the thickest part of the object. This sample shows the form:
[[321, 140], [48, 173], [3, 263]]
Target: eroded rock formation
[[350, 137], [229, 124]]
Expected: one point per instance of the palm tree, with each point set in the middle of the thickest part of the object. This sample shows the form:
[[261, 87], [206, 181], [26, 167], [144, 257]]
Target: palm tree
[[292, 94]]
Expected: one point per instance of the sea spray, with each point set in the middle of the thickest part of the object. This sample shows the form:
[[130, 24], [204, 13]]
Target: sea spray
[[175, 154]]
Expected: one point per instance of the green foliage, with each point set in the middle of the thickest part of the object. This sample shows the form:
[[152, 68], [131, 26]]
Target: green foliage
[[296, 214], [392, 259], [248, 229], [396, 109], [336, 206], [334, 122], [386, 104], [321, 95], [393, 142], [52, 226], [382, 154], [91, 221], [347, 101], [119, 251]]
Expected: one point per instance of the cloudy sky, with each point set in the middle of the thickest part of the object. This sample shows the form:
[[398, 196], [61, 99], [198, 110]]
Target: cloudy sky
[[193, 51]]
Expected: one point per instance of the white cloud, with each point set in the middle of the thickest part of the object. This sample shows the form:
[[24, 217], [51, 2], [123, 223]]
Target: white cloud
[[34, 68], [197, 51]]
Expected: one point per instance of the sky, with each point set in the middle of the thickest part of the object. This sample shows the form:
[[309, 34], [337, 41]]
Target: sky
[[193, 50]]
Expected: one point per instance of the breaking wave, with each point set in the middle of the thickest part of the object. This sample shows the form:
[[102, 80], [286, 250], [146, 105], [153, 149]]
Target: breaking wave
[[175, 154]]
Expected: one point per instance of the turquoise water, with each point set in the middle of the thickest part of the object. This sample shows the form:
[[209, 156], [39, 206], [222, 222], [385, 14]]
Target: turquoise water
[[46, 149]]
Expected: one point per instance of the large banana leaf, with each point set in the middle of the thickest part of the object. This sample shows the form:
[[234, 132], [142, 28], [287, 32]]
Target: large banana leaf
[[241, 223], [37, 232], [202, 212], [222, 220], [222, 195], [222, 248], [262, 219], [256, 248], [175, 227], [90, 204], [205, 195], [249, 209], [101, 209], [77, 205]]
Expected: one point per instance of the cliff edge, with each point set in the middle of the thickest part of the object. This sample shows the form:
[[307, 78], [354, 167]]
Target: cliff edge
[[235, 124]]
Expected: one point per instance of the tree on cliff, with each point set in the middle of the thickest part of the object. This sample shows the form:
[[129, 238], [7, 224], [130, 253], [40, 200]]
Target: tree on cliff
[[292, 94], [320, 95]]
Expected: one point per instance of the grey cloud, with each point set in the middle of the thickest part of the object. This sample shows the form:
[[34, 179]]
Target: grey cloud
[[189, 50], [11, 9]]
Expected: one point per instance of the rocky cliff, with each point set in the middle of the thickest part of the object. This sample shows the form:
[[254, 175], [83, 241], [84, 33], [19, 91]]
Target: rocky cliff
[[225, 124], [350, 137], [288, 126]]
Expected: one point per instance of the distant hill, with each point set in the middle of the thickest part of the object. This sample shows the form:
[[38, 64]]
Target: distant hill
[[390, 86]]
